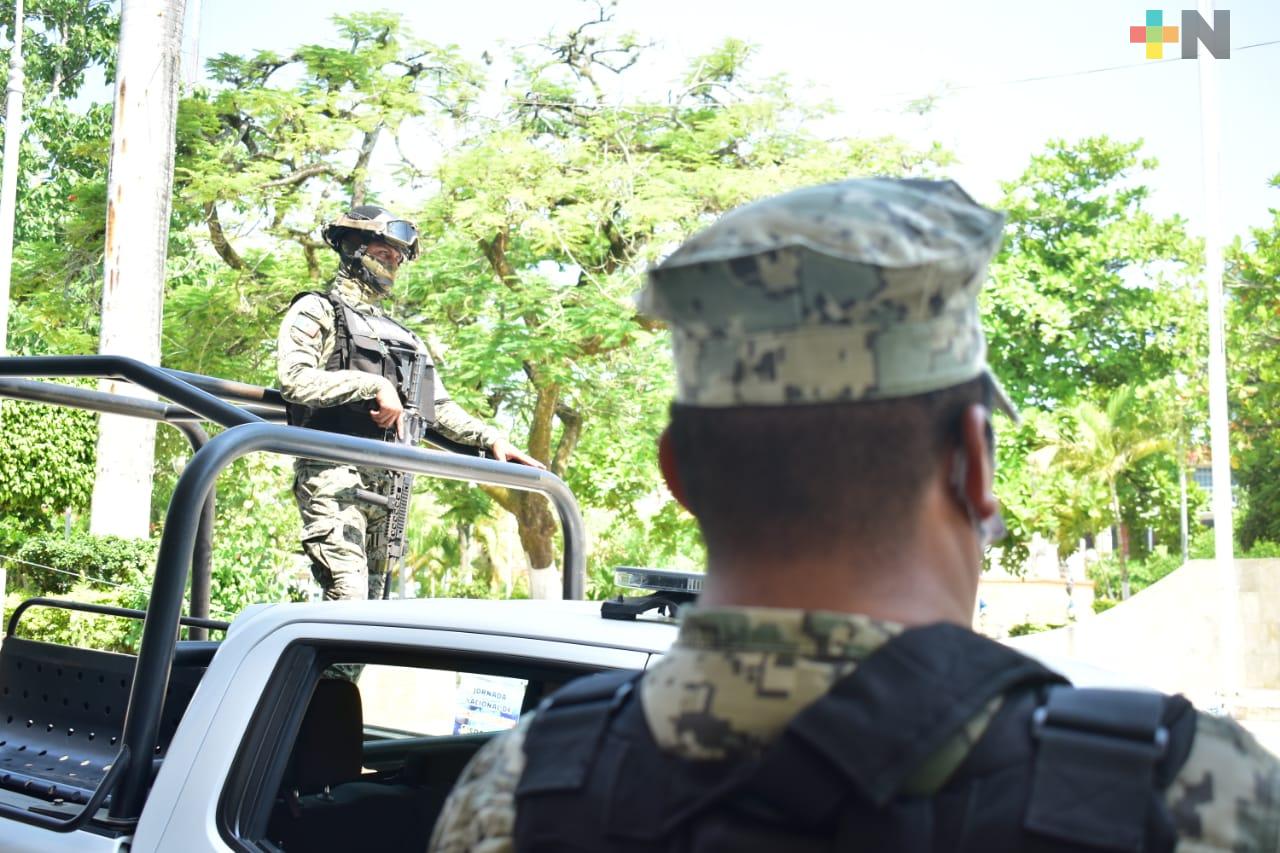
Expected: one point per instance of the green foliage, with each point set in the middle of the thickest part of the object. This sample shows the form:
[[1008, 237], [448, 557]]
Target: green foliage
[[255, 536], [1092, 328], [62, 39], [1142, 573], [546, 200], [1022, 629], [1102, 605], [53, 563], [1090, 292], [60, 212], [103, 570], [549, 200], [1253, 330], [46, 466], [1261, 549], [90, 630]]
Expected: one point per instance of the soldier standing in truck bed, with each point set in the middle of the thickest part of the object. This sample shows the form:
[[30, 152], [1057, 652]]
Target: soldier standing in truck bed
[[342, 363]]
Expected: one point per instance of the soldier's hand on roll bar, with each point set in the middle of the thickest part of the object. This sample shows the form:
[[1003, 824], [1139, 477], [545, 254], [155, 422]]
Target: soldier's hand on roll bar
[[505, 451]]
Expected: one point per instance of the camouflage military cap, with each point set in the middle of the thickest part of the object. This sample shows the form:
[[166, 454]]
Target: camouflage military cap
[[859, 290]]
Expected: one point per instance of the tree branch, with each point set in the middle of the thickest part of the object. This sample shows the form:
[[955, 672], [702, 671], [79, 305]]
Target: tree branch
[[221, 244], [495, 250], [544, 410], [360, 174], [572, 421], [299, 176], [508, 499]]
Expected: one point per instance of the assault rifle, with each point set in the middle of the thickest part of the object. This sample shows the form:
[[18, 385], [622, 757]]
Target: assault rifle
[[416, 389], [418, 409]]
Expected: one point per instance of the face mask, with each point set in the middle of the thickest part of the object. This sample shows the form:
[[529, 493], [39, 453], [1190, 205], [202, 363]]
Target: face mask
[[383, 277]]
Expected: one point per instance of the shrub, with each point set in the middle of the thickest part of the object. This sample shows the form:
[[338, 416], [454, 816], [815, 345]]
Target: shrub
[[54, 564], [1262, 549], [75, 628], [1024, 628]]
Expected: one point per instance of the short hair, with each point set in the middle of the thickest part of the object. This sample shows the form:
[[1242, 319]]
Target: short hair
[[781, 480]]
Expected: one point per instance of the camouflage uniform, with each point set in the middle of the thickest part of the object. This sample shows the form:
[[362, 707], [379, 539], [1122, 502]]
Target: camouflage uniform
[[860, 290], [736, 676], [340, 533]]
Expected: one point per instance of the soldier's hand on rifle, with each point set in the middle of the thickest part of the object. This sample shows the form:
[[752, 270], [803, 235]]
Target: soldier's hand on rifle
[[505, 451], [387, 409]]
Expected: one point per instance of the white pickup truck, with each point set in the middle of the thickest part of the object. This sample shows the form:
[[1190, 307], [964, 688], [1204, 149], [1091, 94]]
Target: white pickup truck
[[259, 750], [310, 727]]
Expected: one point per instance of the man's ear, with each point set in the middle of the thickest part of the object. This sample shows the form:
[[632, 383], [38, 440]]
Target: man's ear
[[974, 464], [670, 471]]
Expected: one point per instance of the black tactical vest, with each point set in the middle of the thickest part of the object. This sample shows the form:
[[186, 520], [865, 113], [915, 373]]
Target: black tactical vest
[[1058, 769], [370, 344]]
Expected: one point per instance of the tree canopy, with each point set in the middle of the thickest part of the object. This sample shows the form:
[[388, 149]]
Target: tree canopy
[[542, 198]]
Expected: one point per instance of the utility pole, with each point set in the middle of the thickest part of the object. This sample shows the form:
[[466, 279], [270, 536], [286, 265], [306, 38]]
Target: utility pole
[[9, 174], [191, 54], [1219, 439], [139, 198]]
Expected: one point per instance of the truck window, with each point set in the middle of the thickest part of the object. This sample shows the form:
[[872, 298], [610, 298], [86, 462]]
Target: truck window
[[358, 748], [405, 701]]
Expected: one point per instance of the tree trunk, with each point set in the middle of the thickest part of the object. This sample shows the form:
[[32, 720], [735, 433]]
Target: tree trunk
[[537, 537], [1120, 543], [138, 204]]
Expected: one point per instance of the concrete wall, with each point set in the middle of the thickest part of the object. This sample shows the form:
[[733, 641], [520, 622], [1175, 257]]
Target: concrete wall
[[1005, 601], [1168, 634]]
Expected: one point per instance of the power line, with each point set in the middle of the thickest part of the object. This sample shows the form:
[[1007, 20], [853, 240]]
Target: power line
[[1086, 71], [103, 581], [915, 94]]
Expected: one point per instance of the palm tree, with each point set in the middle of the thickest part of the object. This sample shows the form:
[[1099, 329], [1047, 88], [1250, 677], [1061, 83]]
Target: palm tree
[[1104, 444]]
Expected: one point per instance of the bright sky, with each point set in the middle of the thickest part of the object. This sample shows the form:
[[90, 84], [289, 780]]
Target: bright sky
[[872, 58]]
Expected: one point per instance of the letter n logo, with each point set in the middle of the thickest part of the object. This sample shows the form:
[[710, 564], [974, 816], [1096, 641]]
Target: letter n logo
[[1216, 39]]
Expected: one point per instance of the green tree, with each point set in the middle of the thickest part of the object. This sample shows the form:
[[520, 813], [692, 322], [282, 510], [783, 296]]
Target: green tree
[[549, 211], [46, 467], [1090, 292], [61, 208], [1100, 444], [538, 216], [1253, 347]]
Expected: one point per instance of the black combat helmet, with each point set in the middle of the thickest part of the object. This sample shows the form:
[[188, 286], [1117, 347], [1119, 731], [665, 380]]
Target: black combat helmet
[[350, 234]]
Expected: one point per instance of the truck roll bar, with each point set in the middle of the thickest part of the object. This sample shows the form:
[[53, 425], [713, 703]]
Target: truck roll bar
[[175, 416], [160, 631]]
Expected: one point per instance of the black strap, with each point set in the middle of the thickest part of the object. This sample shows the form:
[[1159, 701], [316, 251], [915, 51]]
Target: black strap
[[1095, 766], [878, 725], [567, 729]]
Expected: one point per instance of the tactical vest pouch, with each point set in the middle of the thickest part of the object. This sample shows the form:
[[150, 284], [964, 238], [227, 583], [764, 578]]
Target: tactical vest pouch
[[1095, 765], [560, 757]]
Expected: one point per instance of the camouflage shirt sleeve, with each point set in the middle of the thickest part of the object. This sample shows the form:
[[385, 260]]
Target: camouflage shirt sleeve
[[1227, 795], [305, 343], [455, 423], [480, 814]]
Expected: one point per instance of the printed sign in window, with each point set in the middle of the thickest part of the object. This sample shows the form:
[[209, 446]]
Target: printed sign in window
[[487, 703]]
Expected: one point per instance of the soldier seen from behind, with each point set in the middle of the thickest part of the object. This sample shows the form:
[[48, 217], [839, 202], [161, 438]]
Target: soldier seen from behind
[[346, 367], [832, 435]]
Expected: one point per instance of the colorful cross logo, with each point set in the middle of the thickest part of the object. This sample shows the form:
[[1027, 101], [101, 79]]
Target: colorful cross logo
[[1155, 34]]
